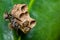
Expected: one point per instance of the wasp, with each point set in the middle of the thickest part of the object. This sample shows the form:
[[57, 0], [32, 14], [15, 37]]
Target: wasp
[[19, 18]]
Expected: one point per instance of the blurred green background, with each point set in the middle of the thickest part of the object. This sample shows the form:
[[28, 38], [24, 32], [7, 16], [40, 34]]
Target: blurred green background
[[46, 13]]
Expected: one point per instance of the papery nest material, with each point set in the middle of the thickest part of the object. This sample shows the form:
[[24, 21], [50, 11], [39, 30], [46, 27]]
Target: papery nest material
[[19, 18]]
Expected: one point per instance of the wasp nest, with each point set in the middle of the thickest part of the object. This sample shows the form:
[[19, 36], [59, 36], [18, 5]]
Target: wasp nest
[[20, 19]]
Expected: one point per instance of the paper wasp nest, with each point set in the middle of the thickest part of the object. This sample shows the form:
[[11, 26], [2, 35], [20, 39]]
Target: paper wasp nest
[[19, 18]]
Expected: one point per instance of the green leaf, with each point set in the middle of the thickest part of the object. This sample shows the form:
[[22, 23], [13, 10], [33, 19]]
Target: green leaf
[[45, 12]]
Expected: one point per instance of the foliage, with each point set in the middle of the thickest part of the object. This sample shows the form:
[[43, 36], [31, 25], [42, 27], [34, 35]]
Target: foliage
[[46, 13]]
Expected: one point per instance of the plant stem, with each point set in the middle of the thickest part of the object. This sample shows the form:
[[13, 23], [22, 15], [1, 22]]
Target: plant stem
[[30, 4]]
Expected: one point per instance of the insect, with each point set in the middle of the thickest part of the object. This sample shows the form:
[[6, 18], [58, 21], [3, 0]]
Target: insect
[[19, 18]]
